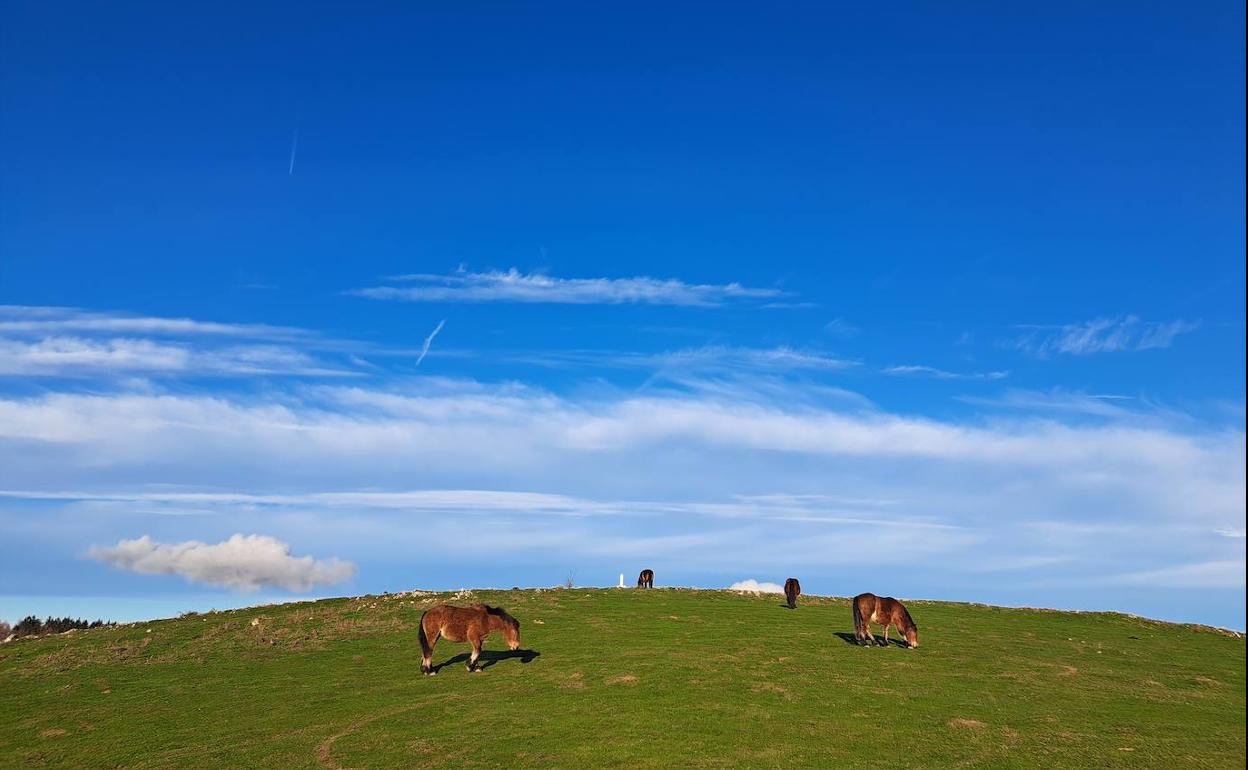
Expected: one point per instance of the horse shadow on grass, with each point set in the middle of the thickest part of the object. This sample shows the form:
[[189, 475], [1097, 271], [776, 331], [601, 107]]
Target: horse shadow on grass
[[489, 658], [879, 640]]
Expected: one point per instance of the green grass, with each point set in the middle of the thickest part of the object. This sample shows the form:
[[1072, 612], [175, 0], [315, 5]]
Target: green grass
[[628, 679]]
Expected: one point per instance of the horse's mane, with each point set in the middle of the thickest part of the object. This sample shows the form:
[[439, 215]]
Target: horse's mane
[[905, 613], [497, 612]]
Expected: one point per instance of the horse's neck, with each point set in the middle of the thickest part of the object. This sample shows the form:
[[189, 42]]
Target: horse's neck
[[494, 623], [902, 619]]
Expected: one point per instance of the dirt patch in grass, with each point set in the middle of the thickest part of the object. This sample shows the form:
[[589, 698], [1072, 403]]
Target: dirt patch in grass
[[52, 732], [575, 681], [773, 688], [966, 724], [324, 750], [623, 679]]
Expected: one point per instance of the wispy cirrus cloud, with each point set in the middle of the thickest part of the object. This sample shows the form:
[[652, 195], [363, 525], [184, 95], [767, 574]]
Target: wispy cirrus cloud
[[823, 509], [40, 341], [1073, 403], [922, 370], [424, 348], [1101, 335], [243, 562], [707, 357], [839, 327], [730, 482], [514, 286], [16, 320], [62, 356], [1221, 573]]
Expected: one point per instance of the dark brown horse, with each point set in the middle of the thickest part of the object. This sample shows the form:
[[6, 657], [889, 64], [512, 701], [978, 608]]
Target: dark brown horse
[[464, 624], [886, 611], [792, 590], [646, 579]]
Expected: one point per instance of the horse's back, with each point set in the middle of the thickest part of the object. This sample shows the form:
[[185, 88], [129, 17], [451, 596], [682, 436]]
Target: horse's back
[[887, 609], [449, 614]]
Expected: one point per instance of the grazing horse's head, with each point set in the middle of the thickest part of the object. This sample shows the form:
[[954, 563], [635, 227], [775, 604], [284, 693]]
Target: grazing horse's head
[[910, 629], [511, 630], [508, 625]]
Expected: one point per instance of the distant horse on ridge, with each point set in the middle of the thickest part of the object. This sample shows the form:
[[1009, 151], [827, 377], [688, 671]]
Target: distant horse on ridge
[[792, 590]]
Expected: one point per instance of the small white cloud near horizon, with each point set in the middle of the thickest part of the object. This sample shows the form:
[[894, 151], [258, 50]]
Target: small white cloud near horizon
[[514, 286], [1102, 335], [243, 562], [752, 586]]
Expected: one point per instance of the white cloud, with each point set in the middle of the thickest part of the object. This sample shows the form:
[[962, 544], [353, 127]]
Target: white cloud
[[245, 562], [778, 358], [1226, 573], [1102, 335], [1062, 401], [941, 374], [514, 286], [424, 349], [754, 587], [80, 356], [839, 327], [68, 342], [712, 478], [56, 354], [686, 364], [775, 507], [26, 319]]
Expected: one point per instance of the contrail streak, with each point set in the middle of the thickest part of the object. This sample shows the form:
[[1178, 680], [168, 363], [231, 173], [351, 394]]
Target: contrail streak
[[424, 351], [294, 145]]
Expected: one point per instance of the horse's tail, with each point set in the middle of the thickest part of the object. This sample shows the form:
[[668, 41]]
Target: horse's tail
[[857, 615], [425, 649]]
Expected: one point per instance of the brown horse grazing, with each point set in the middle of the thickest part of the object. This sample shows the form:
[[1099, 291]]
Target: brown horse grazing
[[464, 624], [646, 579], [792, 590], [886, 611]]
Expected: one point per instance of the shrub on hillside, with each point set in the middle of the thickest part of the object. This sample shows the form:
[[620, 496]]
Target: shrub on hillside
[[32, 626]]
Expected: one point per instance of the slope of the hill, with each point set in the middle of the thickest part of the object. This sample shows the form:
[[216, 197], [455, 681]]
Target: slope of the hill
[[627, 679]]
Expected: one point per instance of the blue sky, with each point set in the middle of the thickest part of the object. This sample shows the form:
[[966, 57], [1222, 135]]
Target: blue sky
[[927, 301]]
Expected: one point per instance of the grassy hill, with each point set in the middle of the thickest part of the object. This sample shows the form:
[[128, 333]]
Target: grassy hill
[[628, 679]]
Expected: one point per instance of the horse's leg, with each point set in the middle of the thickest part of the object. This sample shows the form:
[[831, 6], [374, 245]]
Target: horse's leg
[[885, 634], [475, 641], [866, 629]]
